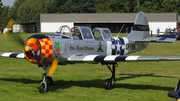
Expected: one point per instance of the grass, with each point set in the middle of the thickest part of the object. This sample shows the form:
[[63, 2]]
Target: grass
[[136, 81]]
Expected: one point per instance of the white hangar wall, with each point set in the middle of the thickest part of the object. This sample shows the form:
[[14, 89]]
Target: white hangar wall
[[50, 22], [162, 26], [53, 26]]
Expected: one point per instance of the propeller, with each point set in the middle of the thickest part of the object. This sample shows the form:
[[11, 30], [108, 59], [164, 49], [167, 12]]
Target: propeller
[[7, 29], [14, 37]]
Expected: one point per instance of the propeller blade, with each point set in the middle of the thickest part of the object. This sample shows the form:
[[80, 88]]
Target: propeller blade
[[9, 25], [18, 39], [53, 67], [15, 37]]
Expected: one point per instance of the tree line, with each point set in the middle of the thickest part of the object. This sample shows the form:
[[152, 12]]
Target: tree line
[[30, 10]]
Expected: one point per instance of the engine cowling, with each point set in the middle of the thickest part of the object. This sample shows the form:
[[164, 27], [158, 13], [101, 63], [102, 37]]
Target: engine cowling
[[38, 51]]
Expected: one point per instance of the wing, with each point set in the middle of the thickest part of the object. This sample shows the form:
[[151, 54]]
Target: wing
[[117, 58], [13, 55], [158, 39]]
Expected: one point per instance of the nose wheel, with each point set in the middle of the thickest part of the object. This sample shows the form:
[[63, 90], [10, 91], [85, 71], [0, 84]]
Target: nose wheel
[[43, 88], [47, 81]]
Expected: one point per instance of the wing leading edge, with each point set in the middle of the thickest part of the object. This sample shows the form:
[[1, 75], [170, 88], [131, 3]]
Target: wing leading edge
[[117, 58]]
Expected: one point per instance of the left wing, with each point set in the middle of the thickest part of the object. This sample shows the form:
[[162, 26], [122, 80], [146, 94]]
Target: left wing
[[117, 58], [13, 55]]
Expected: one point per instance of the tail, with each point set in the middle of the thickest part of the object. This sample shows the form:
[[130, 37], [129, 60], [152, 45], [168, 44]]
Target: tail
[[141, 27]]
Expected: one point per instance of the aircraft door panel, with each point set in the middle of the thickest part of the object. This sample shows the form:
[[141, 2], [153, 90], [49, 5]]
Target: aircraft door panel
[[109, 47]]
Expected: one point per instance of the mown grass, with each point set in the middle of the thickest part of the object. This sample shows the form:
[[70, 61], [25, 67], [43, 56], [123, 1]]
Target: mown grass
[[136, 81]]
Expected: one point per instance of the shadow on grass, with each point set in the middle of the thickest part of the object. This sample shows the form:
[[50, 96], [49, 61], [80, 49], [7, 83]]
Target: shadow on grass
[[130, 76], [98, 83]]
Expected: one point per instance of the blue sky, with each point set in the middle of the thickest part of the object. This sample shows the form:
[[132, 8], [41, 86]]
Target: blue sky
[[8, 2]]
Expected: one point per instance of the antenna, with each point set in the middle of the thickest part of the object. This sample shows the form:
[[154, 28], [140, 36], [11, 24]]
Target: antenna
[[120, 30]]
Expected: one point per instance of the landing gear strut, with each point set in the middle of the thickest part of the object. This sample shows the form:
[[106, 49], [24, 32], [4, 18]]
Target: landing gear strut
[[109, 83], [47, 81]]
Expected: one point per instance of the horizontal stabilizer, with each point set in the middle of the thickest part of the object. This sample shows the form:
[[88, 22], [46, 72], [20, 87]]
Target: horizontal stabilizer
[[157, 39], [13, 55]]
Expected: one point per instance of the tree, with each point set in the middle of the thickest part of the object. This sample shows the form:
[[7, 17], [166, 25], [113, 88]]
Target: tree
[[171, 6], [14, 8], [30, 10], [130, 5], [1, 9], [103, 6], [5, 16], [73, 6], [151, 6], [118, 6]]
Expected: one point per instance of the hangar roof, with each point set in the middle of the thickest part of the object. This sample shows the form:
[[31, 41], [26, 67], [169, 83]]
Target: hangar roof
[[106, 17]]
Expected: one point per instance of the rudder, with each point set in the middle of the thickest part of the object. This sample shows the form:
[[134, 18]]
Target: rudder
[[141, 27]]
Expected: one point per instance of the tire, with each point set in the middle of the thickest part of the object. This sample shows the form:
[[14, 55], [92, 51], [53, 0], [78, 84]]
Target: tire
[[108, 84], [43, 89], [49, 81]]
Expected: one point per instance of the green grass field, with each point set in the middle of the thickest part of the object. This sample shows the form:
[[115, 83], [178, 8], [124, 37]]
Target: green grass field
[[136, 81]]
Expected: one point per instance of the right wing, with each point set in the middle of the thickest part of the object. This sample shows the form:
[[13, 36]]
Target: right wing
[[117, 58]]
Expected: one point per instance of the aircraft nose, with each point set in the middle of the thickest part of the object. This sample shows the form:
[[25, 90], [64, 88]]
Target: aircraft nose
[[46, 48], [38, 51]]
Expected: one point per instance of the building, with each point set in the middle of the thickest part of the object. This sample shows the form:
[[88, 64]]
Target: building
[[31, 27], [114, 21]]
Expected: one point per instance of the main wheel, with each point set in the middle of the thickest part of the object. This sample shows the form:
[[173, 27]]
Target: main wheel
[[49, 81], [43, 88], [108, 84]]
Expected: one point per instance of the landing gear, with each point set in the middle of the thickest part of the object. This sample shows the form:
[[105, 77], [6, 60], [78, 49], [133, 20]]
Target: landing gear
[[47, 81], [43, 88], [175, 94], [109, 83]]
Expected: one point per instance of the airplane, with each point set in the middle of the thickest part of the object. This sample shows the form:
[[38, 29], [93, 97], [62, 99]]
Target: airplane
[[92, 46]]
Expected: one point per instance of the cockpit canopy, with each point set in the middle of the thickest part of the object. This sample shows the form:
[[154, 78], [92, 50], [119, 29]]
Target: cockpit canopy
[[101, 34], [85, 33]]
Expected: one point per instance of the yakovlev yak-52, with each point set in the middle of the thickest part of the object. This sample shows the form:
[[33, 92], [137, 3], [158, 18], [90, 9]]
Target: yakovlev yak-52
[[96, 46]]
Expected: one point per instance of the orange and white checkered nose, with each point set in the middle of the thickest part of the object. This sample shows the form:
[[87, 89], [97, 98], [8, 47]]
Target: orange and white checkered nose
[[38, 51]]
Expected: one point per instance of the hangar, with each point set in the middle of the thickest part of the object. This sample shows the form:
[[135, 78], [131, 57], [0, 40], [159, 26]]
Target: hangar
[[50, 22], [29, 27]]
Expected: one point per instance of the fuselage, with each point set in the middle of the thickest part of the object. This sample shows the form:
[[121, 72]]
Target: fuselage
[[62, 47]]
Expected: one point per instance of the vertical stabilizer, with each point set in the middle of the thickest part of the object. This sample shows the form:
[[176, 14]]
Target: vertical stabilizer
[[140, 28]]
